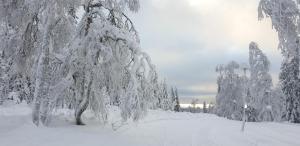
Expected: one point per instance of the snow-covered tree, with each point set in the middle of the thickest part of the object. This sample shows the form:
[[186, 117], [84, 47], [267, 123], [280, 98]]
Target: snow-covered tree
[[165, 98], [229, 101], [260, 83], [56, 26], [193, 107], [33, 33], [177, 102], [174, 101], [4, 78], [172, 96], [153, 89], [111, 57], [210, 108], [284, 15], [18, 37], [204, 107], [289, 78], [278, 103]]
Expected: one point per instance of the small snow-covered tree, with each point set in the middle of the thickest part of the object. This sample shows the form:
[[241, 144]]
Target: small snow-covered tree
[[177, 102], [173, 98], [194, 103], [154, 89], [165, 98], [204, 107], [210, 108]]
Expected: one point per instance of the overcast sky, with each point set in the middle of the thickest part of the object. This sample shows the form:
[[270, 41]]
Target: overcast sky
[[186, 39]]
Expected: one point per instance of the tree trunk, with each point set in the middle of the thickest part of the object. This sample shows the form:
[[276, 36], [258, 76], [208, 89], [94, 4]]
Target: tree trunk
[[83, 105], [79, 112]]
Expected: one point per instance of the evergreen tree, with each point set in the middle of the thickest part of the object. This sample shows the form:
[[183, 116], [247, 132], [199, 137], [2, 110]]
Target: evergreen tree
[[172, 98], [210, 108], [278, 103], [289, 77], [165, 98], [204, 107], [285, 16], [194, 103], [177, 106]]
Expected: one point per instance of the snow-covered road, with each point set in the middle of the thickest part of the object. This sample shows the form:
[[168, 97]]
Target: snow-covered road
[[159, 128]]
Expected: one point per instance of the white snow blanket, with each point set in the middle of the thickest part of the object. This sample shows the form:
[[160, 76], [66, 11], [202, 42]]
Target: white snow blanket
[[158, 128]]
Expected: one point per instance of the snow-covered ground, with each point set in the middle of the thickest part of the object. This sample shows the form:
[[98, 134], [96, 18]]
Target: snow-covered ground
[[159, 128]]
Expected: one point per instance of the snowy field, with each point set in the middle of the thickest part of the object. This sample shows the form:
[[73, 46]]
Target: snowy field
[[159, 128]]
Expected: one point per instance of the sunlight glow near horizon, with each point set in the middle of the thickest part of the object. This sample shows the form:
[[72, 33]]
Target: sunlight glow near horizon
[[186, 105]]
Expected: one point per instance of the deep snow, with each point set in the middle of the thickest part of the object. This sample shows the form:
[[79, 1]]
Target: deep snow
[[158, 128]]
